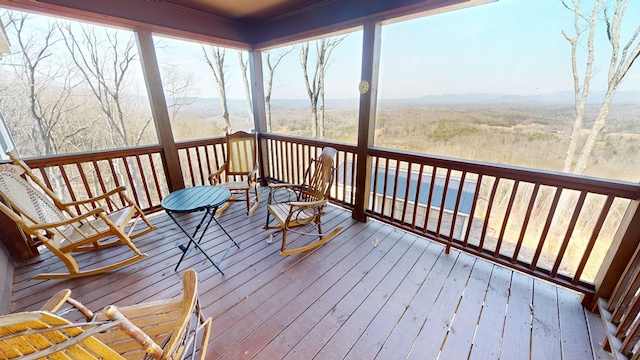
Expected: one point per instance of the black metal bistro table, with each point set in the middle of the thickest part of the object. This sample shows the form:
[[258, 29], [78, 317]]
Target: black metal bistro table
[[198, 198]]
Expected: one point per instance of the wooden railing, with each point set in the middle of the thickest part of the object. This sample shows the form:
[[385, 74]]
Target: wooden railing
[[554, 226], [199, 158], [83, 175]]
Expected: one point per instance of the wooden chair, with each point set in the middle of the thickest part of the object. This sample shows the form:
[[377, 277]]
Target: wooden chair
[[164, 329], [297, 205], [239, 173], [40, 214]]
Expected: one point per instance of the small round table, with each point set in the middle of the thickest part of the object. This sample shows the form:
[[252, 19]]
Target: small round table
[[198, 198]]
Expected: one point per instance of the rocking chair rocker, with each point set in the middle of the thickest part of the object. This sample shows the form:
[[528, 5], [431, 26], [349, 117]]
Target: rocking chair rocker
[[298, 205]]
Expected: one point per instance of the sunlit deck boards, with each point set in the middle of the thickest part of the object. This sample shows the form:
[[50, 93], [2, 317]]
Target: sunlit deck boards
[[372, 292]]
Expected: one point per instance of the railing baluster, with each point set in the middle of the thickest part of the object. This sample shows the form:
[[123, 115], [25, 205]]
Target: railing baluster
[[416, 201], [83, 177], [507, 214], [476, 196], [427, 213], [545, 230], [145, 185], [487, 214], [406, 192], [100, 179], [203, 176], [443, 201], [594, 237], [373, 191], [568, 233], [525, 224], [394, 197], [154, 173], [456, 207], [132, 183]]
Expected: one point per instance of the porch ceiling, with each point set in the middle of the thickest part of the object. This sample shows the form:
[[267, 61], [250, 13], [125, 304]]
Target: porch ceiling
[[240, 23]]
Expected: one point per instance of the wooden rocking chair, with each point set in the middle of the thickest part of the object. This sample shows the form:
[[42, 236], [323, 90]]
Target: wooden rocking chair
[[40, 214], [239, 173], [164, 329], [297, 205]]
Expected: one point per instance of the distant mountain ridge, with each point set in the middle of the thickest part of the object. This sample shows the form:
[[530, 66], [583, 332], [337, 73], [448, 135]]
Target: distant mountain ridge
[[558, 98], [564, 97]]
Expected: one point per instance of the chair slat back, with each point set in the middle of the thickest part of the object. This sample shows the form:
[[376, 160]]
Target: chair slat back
[[241, 153], [319, 176], [38, 334], [33, 206]]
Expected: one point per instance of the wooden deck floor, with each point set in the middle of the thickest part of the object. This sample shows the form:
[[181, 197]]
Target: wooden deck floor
[[372, 292]]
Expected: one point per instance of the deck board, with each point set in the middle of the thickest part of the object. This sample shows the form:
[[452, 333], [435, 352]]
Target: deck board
[[373, 292]]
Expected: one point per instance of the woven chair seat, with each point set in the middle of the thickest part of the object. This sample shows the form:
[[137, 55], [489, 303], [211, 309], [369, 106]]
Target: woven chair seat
[[73, 234]]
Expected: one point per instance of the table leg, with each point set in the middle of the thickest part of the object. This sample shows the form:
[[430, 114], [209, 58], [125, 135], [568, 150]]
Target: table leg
[[192, 239]]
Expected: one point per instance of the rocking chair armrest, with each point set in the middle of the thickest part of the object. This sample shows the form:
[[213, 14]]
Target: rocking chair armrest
[[64, 297], [281, 186], [134, 332], [216, 175], [252, 174], [57, 300], [45, 226], [117, 190], [308, 203]]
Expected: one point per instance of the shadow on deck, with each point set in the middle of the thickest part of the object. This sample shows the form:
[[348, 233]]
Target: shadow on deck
[[372, 292]]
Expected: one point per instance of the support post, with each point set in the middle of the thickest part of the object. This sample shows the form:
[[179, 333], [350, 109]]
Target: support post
[[367, 114], [259, 111], [151, 71]]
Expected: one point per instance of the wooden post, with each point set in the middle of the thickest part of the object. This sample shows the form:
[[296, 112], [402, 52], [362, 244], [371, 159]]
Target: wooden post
[[617, 259], [367, 114], [151, 71], [259, 111]]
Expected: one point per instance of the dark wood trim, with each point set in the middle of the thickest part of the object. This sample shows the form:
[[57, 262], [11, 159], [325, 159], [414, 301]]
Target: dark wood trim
[[159, 18], [371, 40], [158, 103], [340, 16]]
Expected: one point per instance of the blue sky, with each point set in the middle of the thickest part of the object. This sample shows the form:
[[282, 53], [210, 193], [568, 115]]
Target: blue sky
[[509, 47]]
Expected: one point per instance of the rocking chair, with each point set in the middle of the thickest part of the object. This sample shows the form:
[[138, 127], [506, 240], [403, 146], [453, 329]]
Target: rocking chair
[[163, 329], [239, 173], [40, 214], [298, 205]]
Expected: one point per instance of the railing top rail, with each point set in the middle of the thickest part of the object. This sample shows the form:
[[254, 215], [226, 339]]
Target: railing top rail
[[63, 159], [622, 189], [312, 142], [200, 142]]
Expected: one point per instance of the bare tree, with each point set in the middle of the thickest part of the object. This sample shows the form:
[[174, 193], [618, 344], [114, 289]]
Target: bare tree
[[47, 87], [215, 60], [103, 63], [178, 88], [622, 58], [314, 78], [244, 64], [272, 65]]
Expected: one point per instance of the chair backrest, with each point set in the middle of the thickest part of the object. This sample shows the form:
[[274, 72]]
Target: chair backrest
[[241, 153], [319, 176], [37, 334], [33, 206]]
